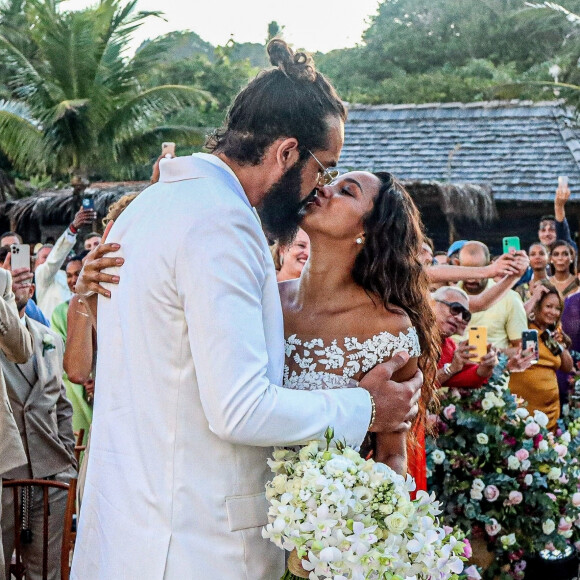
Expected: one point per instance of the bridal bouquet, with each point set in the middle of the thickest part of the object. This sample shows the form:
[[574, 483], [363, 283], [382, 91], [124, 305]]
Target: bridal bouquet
[[344, 517]]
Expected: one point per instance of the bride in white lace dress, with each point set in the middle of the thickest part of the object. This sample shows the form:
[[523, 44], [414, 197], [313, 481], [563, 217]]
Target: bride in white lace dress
[[362, 296]]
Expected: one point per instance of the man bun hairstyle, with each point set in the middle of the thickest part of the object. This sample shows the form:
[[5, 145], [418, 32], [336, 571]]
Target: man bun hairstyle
[[292, 99]]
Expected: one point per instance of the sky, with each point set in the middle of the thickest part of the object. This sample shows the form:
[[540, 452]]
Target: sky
[[314, 25]]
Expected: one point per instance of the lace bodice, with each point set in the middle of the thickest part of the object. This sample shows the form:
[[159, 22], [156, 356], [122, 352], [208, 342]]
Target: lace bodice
[[311, 365]]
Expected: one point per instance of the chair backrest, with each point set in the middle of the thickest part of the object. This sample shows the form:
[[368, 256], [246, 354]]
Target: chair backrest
[[67, 540]]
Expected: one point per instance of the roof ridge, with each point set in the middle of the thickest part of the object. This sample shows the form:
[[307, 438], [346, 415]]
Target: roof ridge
[[513, 103]]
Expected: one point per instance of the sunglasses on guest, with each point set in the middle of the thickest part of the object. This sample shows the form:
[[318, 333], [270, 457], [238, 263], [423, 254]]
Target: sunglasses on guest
[[456, 308]]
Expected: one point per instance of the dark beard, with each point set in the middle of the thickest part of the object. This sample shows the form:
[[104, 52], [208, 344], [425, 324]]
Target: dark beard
[[281, 211]]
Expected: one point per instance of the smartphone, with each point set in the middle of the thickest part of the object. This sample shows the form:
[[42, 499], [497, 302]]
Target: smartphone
[[530, 343], [168, 148], [510, 243], [563, 180], [20, 256], [88, 203], [478, 339]]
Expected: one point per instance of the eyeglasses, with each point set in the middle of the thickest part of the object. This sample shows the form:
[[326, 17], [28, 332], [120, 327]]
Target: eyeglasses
[[456, 308], [325, 174]]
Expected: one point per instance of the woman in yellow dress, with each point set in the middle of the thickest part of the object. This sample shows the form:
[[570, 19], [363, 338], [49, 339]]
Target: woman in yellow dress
[[538, 385]]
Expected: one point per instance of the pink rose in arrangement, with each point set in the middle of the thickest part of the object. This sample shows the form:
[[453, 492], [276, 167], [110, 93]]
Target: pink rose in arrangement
[[563, 526], [561, 450], [514, 498], [532, 429], [449, 412], [522, 454], [491, 493], [576, 499], [493, 528]]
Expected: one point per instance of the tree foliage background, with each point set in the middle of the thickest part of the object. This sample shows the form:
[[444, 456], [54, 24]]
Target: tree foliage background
[[413, 51]]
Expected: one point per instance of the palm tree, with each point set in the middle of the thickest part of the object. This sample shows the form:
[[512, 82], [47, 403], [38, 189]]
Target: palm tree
[[76, 106]]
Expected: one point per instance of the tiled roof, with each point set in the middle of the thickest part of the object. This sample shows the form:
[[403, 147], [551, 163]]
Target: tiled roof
[[519, 148]]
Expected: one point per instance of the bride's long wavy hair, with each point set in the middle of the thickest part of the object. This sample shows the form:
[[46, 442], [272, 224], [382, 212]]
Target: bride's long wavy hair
[[388, 266]]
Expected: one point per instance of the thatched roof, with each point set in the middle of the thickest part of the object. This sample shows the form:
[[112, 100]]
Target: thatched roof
[[458, 201], [36, 216], [33, 216]]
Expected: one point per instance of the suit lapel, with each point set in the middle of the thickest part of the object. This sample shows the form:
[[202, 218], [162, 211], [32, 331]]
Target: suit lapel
[[37, 360]]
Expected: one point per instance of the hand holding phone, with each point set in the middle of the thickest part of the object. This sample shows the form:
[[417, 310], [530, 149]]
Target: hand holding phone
[[19, 256], [511, 243], [478, 339], [168, 149], [530, 344]]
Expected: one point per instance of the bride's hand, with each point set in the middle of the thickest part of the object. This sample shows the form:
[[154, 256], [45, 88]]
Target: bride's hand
[[396, 404], [91, 276]]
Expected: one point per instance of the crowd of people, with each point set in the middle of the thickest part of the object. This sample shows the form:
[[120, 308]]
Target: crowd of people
[[368, 303]]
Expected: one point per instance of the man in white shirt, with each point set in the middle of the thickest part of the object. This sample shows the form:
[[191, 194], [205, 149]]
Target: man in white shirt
[[505, 319], [191, 349], [51, 285]]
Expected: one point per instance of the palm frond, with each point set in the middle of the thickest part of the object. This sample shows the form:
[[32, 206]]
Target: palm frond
[[21, 140], [153, 103]]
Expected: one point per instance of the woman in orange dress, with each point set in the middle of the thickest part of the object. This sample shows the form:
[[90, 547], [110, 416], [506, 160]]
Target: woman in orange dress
[[538, 385]]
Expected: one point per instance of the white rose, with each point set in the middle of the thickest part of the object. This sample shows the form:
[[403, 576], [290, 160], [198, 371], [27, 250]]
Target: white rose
[[308, 450], [438, 456], [396, 523], [566, 437], [521, 412], [548, 527], [543, 445], [528, 479], [337, 465], [554, 473], [476, 494], [486, 404], [541, 418], [482, 438], [513, 462], [508, 540], [478, 484], [279, 483]]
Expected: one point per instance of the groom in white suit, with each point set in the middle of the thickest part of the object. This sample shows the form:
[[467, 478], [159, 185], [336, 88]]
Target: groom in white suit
[[191, 349]]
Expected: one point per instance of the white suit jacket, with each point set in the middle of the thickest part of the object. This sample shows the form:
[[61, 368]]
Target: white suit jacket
[[16, 344], [188, 401]]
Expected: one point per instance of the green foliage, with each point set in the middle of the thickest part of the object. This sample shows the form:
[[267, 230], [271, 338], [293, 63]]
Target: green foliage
[[75, 96], [418, 51]]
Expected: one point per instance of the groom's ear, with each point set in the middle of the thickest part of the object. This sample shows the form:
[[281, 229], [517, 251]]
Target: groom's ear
[[287, 153]]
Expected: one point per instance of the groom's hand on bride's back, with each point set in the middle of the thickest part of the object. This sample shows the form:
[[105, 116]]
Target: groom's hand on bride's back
[[396, 403]]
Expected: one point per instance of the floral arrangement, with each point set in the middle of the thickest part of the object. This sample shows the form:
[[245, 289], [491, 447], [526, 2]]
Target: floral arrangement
[[345, 517], [503, 475]]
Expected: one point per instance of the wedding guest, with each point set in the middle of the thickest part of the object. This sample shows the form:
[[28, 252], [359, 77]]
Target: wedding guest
[[560, 221], [539, 257], [79, 389], [506, 319], [289, 259], [440, 258], [538, 385], [92, 240], [455, 367], [16, 345], [426, 253], [51, 285], [43, 416], [23, 275], [9, 238], [563, 269]]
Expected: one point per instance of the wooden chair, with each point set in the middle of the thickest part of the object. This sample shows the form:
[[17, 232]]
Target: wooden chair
[[18, 569], [79, 447]]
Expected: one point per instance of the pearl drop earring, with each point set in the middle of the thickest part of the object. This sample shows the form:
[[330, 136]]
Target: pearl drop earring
[[359, 240]]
